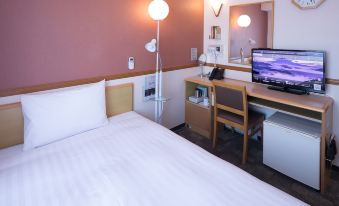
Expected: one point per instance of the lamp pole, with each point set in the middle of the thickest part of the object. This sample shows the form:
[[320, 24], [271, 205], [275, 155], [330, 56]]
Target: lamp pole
[[158, 10], [158, 87]]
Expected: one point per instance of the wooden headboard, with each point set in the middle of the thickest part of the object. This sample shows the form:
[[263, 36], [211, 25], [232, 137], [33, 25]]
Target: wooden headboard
[[119, 99]]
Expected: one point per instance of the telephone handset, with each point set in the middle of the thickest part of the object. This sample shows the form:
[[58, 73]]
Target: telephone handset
[[217, 73]]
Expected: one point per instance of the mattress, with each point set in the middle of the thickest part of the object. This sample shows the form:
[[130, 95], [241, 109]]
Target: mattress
[[130, 162]]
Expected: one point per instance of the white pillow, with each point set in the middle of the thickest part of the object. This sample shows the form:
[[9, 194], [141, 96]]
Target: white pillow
[[52, 116]]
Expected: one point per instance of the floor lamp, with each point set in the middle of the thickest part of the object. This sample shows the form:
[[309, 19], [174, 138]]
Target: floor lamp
[[158, 10]]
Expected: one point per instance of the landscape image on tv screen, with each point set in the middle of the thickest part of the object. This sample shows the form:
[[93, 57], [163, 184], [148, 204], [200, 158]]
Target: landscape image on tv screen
[[289, 69]]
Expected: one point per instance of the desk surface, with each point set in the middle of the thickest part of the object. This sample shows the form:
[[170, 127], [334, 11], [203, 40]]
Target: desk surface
[[312, 102]]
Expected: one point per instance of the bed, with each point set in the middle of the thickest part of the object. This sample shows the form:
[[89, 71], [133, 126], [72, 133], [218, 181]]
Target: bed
[[131, 161]]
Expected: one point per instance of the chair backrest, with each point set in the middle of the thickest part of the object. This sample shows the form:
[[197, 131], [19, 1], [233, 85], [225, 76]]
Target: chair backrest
[[231, 98]]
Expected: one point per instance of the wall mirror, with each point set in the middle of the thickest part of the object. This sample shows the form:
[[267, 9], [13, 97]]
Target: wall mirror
[[251, 26]]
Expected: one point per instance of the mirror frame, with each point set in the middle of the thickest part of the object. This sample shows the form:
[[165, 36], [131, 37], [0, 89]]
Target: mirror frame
[[229, 28]]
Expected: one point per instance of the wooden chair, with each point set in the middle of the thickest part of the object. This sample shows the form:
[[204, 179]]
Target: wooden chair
[[231, 108]]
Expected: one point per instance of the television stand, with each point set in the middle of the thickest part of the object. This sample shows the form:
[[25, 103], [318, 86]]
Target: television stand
[[289, 90]]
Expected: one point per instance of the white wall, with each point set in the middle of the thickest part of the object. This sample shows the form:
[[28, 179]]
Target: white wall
[[174, 111], [293, 29], [223, 22], [244, 76], [314, 29]]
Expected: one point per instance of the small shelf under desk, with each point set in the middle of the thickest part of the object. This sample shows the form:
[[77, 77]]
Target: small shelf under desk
[[287, 109], [198, 117]]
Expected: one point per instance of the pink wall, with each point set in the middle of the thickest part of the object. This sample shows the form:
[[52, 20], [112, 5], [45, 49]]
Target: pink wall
[[59, 40], [256, 31]]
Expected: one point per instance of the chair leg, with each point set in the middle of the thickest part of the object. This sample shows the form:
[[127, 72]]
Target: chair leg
[[245, 148], [215, 134]]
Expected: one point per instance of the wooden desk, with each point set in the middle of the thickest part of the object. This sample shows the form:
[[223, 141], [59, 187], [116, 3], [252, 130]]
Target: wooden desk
[[314, 107]]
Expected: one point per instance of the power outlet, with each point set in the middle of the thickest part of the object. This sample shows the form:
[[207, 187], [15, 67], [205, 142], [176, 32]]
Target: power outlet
[[215, 49], [131, 63]]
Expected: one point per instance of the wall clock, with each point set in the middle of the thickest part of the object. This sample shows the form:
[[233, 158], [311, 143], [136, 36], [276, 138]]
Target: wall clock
[[308, 4]]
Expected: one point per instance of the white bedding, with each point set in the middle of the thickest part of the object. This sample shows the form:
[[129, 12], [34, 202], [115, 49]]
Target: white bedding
[[130, 162]]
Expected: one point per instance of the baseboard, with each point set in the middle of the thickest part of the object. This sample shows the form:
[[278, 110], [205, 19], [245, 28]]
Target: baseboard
[[178, 127]]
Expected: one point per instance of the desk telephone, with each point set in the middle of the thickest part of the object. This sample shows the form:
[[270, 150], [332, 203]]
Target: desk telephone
[[217, 73]]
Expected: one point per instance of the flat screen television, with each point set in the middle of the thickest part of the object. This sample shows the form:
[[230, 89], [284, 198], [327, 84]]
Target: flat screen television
[[289, 70]]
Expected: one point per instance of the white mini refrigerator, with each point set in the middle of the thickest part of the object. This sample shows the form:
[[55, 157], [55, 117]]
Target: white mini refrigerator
[[292, 147]]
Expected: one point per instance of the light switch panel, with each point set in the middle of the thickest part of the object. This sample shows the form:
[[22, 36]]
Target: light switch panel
[[194, 54], [131, 63]]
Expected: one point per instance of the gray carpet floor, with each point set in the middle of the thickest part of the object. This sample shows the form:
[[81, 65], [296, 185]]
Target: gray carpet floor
[[230, 149]]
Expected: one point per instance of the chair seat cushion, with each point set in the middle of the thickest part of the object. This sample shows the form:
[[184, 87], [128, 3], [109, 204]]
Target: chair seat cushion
[[253, 117]]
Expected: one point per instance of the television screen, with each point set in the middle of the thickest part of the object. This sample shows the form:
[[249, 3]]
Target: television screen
[[289, 69]]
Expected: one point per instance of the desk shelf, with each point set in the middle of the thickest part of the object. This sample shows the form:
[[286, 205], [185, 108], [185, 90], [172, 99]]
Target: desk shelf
[[287, 109], [198, 117]]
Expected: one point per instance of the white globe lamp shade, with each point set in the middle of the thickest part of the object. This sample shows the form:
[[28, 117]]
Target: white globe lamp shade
[[158, 10], [244, 21]]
